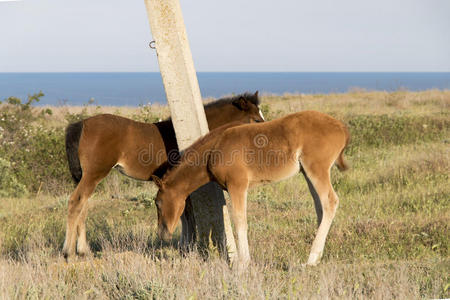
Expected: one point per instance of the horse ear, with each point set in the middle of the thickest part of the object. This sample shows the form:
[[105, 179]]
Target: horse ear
[[157, 181], [241, 103], [256, 94]]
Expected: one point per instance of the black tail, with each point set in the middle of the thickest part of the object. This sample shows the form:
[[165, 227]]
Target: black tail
[[73, 133]]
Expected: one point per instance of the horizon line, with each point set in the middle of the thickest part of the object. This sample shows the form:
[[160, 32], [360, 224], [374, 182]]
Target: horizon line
[[62, 72]]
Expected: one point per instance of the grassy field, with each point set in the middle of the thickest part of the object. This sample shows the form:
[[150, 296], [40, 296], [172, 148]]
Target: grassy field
[[390, 237]]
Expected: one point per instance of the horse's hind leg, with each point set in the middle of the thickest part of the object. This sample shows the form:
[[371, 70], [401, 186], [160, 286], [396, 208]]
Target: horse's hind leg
[[82, 245], [316, 198], [77, 210], [320, 182], [71, 234]]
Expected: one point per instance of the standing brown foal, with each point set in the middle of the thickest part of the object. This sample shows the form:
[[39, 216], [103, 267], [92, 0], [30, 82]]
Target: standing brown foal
[[96, 145], [241, 157]]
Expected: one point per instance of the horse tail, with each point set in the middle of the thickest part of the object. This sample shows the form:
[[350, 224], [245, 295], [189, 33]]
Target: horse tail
[[73, 133], [340, 161]]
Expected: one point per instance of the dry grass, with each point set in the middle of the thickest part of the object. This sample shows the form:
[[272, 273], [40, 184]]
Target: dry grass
[[390, 238]]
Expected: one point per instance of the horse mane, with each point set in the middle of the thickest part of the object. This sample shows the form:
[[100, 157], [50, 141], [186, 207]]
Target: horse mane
[[197, 147], [168, 166], [211, 135], [252, 98]]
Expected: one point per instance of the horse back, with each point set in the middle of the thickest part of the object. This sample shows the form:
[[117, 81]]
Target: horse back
[[109, 140], [271, 150]]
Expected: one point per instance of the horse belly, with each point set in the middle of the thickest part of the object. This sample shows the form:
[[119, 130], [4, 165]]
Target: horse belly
[[135, 171], [140, 164], [286, 171], [141, 153], [275, 173]]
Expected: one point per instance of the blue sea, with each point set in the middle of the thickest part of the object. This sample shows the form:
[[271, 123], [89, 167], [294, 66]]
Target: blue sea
[[141, 88]]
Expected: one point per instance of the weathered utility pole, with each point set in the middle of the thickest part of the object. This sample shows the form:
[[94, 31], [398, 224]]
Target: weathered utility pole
[[188, 117]]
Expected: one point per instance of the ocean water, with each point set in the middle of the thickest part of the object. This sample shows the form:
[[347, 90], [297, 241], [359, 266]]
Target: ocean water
[[142, 88]]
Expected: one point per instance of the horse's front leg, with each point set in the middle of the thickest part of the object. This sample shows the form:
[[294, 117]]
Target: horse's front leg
[[238, 195]]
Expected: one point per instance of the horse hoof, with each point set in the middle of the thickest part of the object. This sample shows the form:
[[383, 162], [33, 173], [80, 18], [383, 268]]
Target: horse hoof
[[66, 256], [314, 259], [84, 252], [240, 265]]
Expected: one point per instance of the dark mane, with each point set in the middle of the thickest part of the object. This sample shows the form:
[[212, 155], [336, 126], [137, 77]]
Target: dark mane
[[253, 98], [175, 160], [209, 136], [197, 146]]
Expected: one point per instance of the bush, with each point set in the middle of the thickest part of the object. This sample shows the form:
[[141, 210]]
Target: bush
[[9, 185], [41, 160], [73, 118], [33, 154], [146, 115], [382, 130]]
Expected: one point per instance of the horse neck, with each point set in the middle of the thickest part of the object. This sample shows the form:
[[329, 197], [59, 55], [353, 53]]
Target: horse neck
[[188, 177], [219, 115]]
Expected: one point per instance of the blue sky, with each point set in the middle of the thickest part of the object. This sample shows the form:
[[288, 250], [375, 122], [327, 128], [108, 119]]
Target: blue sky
[[232, 35]]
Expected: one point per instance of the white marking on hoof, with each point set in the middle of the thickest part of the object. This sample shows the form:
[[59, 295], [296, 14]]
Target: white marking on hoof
[[83, 248], [232, 258], [240, 265], [314, 259]]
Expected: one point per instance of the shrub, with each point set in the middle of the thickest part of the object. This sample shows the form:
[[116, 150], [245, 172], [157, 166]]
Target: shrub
[[146, 114], [41, 160], [382, 130], [33, 154], [73, 118], [9, 185]]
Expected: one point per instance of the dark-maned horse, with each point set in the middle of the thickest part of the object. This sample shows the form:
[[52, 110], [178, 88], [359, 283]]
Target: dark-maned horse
[[97, 144]]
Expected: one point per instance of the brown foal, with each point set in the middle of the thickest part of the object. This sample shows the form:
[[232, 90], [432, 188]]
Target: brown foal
[[241, 157], [96, 145]]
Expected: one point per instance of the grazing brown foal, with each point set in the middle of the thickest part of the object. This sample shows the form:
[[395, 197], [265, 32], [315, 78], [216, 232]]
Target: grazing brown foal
[[241, 157], [96, 145]]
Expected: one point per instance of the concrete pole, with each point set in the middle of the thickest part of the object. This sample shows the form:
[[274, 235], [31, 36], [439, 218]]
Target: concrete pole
[[188, 117]]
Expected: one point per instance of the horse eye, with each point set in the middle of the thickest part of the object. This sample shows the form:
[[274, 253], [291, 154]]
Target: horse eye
[[258, 121]]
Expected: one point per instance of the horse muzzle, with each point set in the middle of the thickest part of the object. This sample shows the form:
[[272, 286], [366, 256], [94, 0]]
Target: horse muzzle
[[164, 233]]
